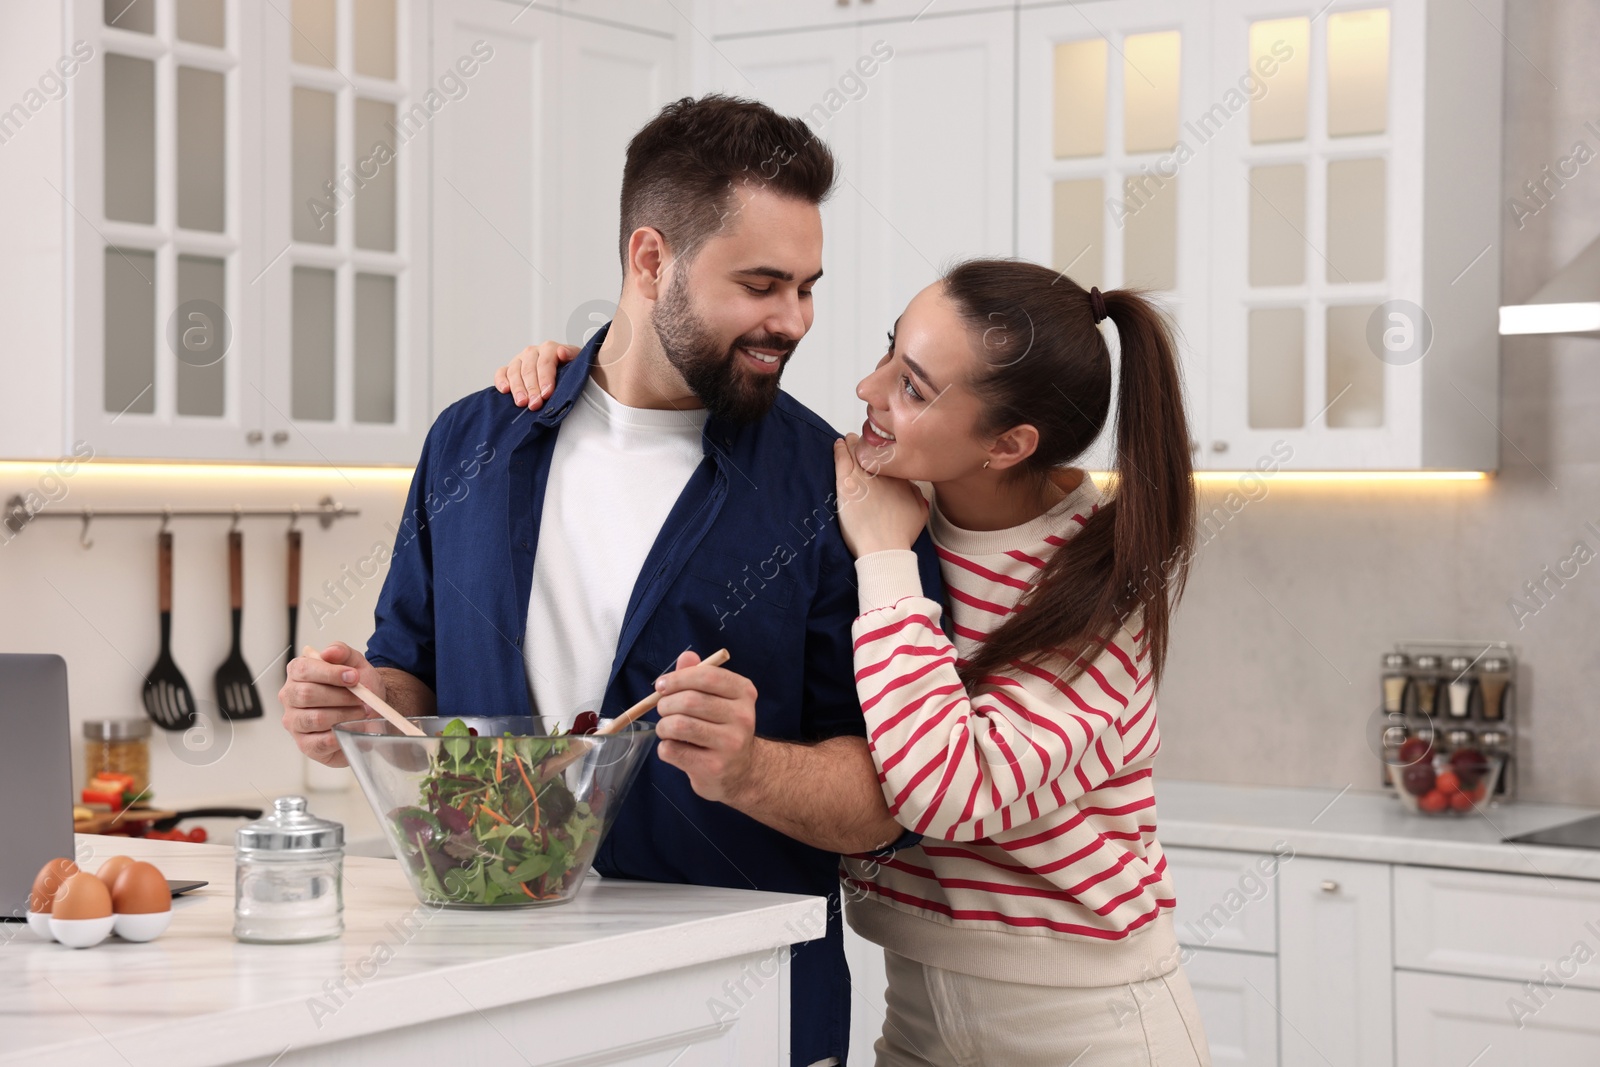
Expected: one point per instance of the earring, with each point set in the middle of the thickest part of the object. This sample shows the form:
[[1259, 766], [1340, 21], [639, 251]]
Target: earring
[[985, 464]]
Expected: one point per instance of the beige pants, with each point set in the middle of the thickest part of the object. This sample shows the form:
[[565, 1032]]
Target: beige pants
[[947, 1019]]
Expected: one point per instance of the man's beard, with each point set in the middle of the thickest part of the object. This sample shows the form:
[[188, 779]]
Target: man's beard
[[713, 373]]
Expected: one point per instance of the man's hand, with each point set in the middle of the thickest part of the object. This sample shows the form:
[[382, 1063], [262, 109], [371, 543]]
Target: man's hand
[[530, 378], [316, 695], [708, 726]]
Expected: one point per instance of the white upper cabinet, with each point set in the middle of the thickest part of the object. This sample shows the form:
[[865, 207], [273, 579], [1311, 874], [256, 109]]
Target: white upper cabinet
[[918, 113], [1110, 191], [527, 175], [1311, 190], [349, 102], [767, 16]]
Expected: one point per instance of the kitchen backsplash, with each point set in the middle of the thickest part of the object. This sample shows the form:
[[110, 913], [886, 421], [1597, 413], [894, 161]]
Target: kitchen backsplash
[[97, 607]]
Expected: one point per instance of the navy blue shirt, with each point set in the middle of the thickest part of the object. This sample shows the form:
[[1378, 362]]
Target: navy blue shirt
[[750, 558]]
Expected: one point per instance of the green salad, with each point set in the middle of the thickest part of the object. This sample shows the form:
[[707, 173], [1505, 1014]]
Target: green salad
[[488, 830]]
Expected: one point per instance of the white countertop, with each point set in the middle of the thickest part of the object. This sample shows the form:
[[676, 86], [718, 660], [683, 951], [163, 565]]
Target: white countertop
[[195, 995], [1365, 825]]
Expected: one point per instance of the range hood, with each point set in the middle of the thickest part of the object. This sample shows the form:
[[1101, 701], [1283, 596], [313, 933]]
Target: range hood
[[1569, 303]]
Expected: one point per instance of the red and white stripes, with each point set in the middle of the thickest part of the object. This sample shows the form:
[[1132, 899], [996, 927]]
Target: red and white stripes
[[1033, 793]]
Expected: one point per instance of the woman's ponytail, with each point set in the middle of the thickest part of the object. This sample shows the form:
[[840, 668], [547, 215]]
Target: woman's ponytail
[[1049, 366]]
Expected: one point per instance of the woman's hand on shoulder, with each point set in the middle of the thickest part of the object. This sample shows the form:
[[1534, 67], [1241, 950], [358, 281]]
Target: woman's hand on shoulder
[[530, 378], [876, 513]]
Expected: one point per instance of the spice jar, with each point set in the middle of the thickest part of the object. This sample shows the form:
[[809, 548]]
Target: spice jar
[[288, 884], [1461, 686], [1425, 681], [118, 746], [1395, 681]]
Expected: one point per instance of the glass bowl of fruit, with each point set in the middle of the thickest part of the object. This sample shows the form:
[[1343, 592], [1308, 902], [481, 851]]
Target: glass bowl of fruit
[[494, 812], [1433, 782]]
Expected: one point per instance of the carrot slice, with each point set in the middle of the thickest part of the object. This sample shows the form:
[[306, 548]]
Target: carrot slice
[[533, 794], [496, 816], [499, 747]]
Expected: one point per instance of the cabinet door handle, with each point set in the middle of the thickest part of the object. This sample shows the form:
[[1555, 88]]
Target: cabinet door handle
[[1219, 446], [280, 437], [253, 437], [1330, 886]]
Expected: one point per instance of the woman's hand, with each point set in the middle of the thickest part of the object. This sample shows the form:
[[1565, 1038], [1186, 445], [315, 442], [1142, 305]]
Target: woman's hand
[[876, 512], [530, 378]]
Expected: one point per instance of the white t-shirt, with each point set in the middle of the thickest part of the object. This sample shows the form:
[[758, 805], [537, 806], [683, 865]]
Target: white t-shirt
[[614, 476]]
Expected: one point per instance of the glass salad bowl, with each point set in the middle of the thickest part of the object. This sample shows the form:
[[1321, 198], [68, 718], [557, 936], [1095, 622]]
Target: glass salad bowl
[[494, 812]]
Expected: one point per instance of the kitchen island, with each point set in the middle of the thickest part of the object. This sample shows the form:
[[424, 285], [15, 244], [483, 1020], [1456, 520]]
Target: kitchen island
[[629, 972]]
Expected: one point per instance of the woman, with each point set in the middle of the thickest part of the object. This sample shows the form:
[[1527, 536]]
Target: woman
[[1032, 924]]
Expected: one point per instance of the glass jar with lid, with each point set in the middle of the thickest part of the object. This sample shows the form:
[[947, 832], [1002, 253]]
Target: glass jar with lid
[[289, 884], [118, 746]]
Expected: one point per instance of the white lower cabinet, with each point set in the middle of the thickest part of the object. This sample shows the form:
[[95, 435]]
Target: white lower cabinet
[[1335, 963], [1236, 993], [1448, 1021]]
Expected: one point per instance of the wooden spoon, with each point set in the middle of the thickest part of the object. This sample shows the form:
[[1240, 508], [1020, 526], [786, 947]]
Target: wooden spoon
[[374, 701], [579, 743]]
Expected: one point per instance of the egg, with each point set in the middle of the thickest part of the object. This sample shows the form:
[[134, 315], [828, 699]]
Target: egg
[[140, 890], [142, 902], [82, 896], [111, 868], [52, 876]]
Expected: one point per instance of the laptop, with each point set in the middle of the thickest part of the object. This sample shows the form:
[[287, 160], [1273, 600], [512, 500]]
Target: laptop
[[35, 774]]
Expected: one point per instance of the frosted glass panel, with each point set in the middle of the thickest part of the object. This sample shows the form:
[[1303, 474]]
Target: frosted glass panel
[[1277, 368], [1280, 52], [311, 363], [1079, 231], [130, 361], [1080, 101], [1356, 218], [1150, 91], [374, 364], [201, 373], [1278, 225], [130, 134], [1353, 370], [374, 202], [202, 22], [312, 207], [136, 15], [202, 140], [1358, 72], [374, 38], [313, 33], [1150, 233]]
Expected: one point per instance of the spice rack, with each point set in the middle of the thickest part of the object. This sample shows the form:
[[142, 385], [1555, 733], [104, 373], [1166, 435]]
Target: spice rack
[[1458, 694]]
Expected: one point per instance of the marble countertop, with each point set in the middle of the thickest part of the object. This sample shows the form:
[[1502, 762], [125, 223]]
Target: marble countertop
[[1365, 825], [195, 993]]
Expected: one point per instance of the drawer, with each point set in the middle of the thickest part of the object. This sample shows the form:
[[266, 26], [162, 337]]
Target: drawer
[[1236, 993], [1226, 900], [1512, 926], [1444, 1021]]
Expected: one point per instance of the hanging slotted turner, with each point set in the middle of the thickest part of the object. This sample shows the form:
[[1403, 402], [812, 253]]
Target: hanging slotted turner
[[236, 686], [167, 699]]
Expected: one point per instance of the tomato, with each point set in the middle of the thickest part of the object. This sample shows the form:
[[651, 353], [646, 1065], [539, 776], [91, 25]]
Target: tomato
[[1461, 802], [1433, 801], [198, 835], [1447, 782]]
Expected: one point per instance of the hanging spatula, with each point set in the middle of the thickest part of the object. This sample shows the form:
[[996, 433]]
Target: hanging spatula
[[236, 686], [294, 594], [167, 699]]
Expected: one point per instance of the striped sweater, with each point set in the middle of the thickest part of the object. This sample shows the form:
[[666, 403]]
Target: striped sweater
[[1039, 861]]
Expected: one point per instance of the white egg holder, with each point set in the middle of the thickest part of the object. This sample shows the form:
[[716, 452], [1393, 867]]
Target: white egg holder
[[86, 933]]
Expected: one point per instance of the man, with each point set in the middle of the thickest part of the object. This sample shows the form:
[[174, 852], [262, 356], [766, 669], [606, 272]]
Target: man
[[664, 501]]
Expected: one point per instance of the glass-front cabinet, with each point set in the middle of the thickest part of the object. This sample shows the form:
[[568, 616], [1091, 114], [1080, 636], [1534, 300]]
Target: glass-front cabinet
[[249, 242], [1312, 192]]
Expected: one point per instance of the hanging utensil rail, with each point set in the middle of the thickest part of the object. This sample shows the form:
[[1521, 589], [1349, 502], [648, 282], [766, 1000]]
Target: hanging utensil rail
[[324, 511]]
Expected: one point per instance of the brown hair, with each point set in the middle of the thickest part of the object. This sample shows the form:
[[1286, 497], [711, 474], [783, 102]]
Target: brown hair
[[682, 167], [1049, 366]]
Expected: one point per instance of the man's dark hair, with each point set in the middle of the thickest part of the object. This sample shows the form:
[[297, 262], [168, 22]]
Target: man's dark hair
[[684, 165]]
